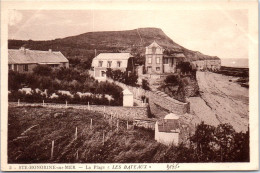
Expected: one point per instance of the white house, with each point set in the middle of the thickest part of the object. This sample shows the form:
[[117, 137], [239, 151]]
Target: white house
[[120, 61], [167, 130]]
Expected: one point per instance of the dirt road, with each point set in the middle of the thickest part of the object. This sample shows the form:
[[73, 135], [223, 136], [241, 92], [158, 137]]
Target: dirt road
[[221, 101]]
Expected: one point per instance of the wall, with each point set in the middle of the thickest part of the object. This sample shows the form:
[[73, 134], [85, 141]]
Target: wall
[[166, 138], [20, 68], [213, 64], [154, 64], [158, 98]]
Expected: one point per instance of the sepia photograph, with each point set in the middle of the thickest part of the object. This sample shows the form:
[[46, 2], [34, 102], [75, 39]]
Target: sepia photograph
[[109, 86]]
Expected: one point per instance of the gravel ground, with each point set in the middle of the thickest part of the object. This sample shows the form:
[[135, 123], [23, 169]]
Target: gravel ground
[[221, 101]]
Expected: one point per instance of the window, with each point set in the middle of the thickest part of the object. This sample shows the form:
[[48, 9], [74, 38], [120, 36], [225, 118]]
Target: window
[[119, 63], [158, 60], [150, 60], [15, 67], [25, 67], [100, 63], [103, 73], [10, 66], [157, 68], [54, 65], [109, 64], [153, 50], [166, 61]]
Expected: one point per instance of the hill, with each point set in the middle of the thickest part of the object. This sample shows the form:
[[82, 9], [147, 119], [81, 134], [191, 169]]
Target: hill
[[31, 130], [82, 46]]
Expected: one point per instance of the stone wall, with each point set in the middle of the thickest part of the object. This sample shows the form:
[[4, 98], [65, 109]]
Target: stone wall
[[159, 98]]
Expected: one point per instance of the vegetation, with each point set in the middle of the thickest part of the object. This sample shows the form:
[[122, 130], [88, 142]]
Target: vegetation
[[124, 77], [68, 79], [145, 84], [31, 131], [183, 84]]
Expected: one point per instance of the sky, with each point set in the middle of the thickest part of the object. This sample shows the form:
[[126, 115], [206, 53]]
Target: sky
[[212, 32]]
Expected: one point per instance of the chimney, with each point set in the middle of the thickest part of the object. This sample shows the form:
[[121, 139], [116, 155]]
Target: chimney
[[50, 50], [23, 49], [95, 52]]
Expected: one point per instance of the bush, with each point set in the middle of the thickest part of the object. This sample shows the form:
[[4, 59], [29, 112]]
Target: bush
[[67, 79], [172, 79], [145, 85], [124, 77], [42, 70]]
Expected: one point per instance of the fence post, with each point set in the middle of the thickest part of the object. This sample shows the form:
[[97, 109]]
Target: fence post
[[76, 133], [117, 125], [111, 121], [103, 137], [77, 154], [18, 103], [88, 106], [90, 123], [52, 149], [42, 102], [66, 104]]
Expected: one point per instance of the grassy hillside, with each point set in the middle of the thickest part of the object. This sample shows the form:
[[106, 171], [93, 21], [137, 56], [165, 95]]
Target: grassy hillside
[[82, 46], [31, 131]]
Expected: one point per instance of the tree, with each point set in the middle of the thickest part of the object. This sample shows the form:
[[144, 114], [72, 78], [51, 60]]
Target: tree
[[224, 137], [172, 79], [145, 84], [42, 70], [131, 79], [203, 140], [15, 80]]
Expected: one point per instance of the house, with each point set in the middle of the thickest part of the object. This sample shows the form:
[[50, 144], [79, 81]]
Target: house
[[24, 60], [213, 64], [167, 130], [157, 62], [120, 61]]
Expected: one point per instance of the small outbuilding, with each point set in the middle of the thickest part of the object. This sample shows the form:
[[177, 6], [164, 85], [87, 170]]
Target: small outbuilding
[[128, 98], [167, 130]]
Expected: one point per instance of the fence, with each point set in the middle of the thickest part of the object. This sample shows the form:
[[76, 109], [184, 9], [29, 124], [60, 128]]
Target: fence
[[126, 113]]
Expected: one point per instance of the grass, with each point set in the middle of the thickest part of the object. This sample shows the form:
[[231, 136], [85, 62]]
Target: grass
[[32, 129]]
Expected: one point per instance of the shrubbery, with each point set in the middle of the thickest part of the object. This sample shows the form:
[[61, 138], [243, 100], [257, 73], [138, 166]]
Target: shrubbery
[[68, 79], [124, 77], [145, 85], [219, 144]]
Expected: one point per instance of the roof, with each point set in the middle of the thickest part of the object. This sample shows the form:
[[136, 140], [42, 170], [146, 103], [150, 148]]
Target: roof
[[25, 56], [168, 125], [154, 44], [113, 56], [171, 116], [176, 55], [127, 92]]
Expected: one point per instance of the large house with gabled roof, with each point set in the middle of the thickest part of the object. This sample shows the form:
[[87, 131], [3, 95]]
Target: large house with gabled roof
[[24, 60], [115, 61], [156, 62]]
